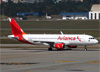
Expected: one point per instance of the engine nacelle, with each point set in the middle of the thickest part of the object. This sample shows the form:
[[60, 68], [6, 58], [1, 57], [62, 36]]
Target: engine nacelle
[[59, 46], [72, 46]]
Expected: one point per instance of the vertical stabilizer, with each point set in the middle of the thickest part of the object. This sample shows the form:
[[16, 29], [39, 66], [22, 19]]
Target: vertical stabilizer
[[16, 30]]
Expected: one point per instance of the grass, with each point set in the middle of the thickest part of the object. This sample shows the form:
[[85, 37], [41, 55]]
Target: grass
[[94, 33], [3, 16], [9, 41], [89, 24]]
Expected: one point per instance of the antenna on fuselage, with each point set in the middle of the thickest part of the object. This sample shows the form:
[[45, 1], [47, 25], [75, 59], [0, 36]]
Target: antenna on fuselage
[[61, 32]]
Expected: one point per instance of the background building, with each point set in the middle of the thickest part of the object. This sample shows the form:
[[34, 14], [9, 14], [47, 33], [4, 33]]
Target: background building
[[95, 12], [15, 1], [75, 16], [23, 1], [4, 0], [33, 1], [30, 1]]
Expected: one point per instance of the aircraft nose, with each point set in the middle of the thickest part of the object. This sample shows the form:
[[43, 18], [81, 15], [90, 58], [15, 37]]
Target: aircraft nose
[[96, 41]]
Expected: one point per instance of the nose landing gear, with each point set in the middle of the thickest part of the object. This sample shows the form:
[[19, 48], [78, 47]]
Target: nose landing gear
[[85, 48]]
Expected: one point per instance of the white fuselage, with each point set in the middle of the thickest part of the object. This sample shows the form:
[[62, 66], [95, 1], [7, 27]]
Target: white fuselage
[[67, 39]]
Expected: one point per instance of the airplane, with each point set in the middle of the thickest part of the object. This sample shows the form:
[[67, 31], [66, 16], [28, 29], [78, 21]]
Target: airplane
[[58, 41]]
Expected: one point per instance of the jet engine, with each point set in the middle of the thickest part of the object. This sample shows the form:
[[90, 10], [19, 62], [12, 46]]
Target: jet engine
[[72, 46], [59, 46]]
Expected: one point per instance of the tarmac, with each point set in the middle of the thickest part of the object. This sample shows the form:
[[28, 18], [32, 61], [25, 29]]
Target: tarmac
[[42, 60]]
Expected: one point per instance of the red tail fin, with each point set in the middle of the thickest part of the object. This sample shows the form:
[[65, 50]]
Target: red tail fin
[[16, 30]]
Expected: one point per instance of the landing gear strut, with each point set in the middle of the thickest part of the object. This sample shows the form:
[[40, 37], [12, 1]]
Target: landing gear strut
[[85, 48]]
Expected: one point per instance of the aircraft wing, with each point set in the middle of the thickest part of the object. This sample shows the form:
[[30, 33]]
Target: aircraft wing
[[50, 42], [44, 42]]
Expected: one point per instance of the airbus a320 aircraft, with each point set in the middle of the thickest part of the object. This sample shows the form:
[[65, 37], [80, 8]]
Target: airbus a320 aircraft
[[58, 41]]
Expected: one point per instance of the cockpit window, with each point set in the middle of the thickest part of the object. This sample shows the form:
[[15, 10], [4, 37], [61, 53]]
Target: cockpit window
[[91, 38]]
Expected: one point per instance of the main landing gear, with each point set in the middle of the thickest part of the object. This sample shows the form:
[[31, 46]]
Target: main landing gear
[[85, 48], [50, 49]]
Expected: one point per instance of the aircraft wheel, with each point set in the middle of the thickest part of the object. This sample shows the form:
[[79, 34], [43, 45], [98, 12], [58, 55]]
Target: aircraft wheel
[[85, 49], [49, 49]]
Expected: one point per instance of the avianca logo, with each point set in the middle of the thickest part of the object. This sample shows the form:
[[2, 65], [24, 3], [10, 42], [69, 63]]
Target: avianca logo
[[69, 38]]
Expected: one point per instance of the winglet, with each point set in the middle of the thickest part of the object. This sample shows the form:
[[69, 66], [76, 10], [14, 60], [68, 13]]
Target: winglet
[[9, 19], [61, 32]]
